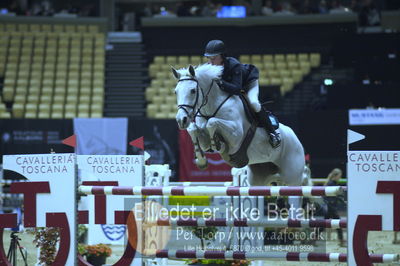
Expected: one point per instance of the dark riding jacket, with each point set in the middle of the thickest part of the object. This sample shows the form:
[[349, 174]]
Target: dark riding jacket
[[237, 76]]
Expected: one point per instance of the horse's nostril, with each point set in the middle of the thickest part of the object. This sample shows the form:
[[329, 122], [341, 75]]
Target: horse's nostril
[[184, 120]]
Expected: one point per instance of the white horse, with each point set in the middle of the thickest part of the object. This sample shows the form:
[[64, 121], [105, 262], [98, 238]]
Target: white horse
[[216, 120]]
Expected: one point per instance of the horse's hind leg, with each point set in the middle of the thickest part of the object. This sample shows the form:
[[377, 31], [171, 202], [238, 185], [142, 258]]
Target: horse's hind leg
[[291, 171], [262, 174]]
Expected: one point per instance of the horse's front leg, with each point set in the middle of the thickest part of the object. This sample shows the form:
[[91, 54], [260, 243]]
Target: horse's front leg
[[227, 129], [198, 136]]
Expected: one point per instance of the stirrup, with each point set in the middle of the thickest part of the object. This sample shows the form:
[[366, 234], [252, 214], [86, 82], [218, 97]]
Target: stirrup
[[274, 140]]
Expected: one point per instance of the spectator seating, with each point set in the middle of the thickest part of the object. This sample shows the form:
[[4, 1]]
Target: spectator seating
[[160, 94], [285, 70], [52, 71]]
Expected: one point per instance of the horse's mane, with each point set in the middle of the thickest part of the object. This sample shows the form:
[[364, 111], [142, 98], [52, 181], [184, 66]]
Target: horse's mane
[[204, 71]]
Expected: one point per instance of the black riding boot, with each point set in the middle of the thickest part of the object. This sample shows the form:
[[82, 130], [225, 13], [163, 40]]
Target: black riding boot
[[265, 122]]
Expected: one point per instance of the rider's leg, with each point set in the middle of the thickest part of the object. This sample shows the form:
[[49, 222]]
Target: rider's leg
[[252, 96], [262, 115]]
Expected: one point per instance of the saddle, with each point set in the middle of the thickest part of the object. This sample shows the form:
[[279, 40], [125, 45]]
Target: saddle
[[240, 159]]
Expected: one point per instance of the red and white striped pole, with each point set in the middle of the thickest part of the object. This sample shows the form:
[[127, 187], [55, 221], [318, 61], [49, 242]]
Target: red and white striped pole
[[306, 191]]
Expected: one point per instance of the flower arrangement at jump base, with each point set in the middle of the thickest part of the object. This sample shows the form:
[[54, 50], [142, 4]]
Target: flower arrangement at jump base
[[206, 234], [95, 254], [219, 262]]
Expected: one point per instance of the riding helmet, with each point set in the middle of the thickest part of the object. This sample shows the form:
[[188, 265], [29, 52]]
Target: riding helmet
[[214, 47]]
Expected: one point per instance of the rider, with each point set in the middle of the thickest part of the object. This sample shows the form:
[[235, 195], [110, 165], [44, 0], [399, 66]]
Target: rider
[[240, 78]]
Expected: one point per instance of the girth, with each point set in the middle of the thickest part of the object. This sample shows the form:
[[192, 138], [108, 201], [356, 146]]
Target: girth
[[240, 159]]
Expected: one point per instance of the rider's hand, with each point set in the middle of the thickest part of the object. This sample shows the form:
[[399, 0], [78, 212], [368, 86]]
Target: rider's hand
[[217, 81]]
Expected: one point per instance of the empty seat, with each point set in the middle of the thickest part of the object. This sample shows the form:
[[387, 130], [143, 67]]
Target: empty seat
[[8, 94], [291, 57], [293, 65], [263, 81], [272, 73], [96, 107], [18, 110], [87, 91], [165, 108], [305, 67], [276, 81], [44, 114], [83, 114], [45, 99], [280, 65], [57, 115], [158, 99], [297, 75], [284, 73], [57, 108], [84, 99], [93, 28], [256, 59], [33, 98], [72, 98], [268, 65], [150, 93], [31, 107], [183, 60], [245, 58], [5, 115], [303, 57], [197, 60], [171, 60], [279, 58], [171, 99], [151, 110], [315, 59]]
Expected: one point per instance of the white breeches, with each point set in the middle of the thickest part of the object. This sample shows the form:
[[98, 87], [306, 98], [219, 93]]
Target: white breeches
[[252, 96]]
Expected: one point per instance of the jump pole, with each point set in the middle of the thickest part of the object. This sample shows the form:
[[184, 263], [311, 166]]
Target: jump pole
[[285, 256], [305, 191], [273, 223]]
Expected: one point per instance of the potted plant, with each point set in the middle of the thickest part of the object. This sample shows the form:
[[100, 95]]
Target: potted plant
[[218, 262], [46, 239], [208, 233], [82, 233], [95, 254]]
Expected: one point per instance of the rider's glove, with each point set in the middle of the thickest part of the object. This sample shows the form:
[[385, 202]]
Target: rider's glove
[[218, 82]]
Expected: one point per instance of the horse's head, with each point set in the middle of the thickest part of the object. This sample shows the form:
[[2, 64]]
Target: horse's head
[[187, 95], [189, 90]]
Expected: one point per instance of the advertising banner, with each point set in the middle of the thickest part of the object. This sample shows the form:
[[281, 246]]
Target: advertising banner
[[217, 170], [117, 170], [49, 198], [381, 116], [33, 136], [101, 135]]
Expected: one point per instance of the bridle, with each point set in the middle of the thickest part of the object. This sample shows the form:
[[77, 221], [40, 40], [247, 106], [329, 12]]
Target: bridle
[[203, 103], [184, 106]]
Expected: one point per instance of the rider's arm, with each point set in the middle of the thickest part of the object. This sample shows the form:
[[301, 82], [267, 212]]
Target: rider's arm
[[235, 86]]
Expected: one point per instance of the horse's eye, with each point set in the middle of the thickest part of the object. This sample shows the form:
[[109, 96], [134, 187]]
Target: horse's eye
[[192, 91]]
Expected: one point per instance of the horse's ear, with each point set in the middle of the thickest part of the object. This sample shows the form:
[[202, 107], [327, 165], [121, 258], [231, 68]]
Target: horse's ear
[[191, 71], [176, 74]]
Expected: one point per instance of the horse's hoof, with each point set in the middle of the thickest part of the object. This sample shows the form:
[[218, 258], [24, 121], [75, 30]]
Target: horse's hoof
[[202, 164]]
